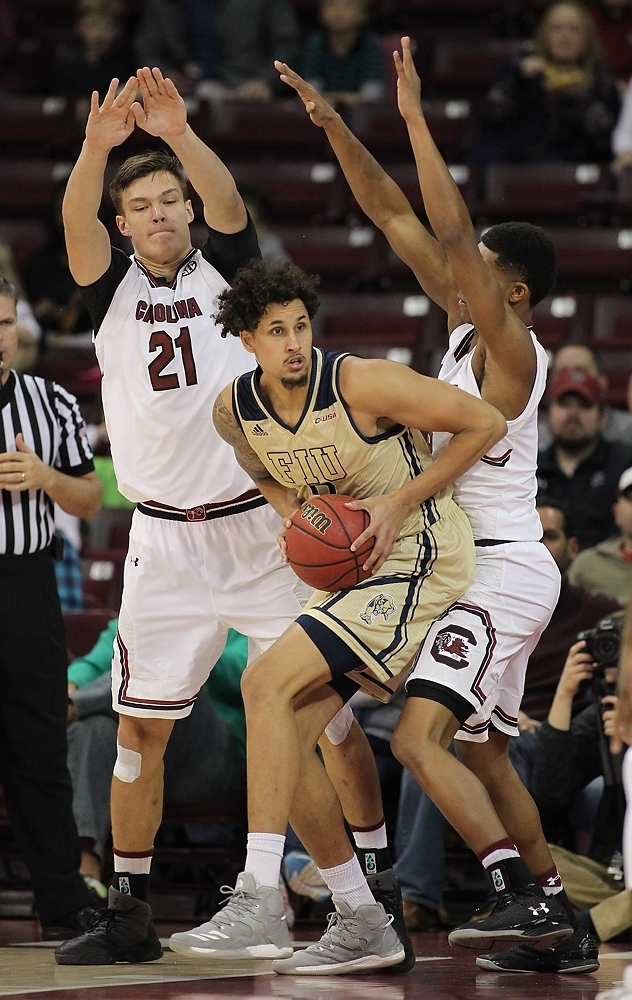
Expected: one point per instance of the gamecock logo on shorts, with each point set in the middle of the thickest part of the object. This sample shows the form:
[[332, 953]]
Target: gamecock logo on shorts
[[196, 514], [452, 646], [383, 605]]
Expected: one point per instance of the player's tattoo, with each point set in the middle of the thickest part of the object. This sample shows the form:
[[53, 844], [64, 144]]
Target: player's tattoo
[[227, 427]]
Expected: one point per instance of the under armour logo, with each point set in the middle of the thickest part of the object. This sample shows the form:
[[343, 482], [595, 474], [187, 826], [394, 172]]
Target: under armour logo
[[135, 561], [541, 908]]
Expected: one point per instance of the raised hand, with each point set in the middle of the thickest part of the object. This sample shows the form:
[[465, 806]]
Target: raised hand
[[408, 82], [110, 124], [316, 106], [163, 111]]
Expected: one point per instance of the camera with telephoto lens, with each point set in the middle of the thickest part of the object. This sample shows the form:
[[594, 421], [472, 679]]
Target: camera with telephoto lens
[[603, 643]]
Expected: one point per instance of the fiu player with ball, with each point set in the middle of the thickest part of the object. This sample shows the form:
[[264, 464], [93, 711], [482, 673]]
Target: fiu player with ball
[[308, 421]]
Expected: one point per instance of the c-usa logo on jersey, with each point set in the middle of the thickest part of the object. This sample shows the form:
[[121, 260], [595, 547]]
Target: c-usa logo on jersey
[[189, 269]]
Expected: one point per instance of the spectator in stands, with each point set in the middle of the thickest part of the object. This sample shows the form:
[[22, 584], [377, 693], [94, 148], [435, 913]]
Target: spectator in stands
[[622, 134], [344, 60], [607, 568], [567, 757], [29, 330], [618, 423], [558, 103], [232, 45], [50, 287], [196, 767], [422, 873], [613, 20], [97, 53], [580, 468]]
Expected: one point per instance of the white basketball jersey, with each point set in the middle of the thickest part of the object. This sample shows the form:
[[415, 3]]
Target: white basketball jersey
[[164, 363], [498, 492]]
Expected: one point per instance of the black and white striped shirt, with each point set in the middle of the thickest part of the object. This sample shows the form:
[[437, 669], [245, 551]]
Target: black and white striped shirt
[[51, 423]]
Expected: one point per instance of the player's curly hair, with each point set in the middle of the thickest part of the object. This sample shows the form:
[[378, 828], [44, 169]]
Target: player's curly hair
[[153, 161], [528, 252], [258, 284]]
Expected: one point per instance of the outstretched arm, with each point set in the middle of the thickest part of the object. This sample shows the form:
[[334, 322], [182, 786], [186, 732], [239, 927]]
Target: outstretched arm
[[284, 500], [375, 390], [494, 320], [378, 195], [87, 239], [163, 113]]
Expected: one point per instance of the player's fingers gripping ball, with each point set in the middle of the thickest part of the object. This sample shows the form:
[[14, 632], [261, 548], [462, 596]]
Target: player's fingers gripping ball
[[318, 543]]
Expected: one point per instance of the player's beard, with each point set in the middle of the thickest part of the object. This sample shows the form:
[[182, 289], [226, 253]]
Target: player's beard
[[295, 382]]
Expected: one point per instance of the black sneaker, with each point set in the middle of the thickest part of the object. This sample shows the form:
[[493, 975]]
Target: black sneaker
[[519, 915], [579, 953], [71, 925], [386, 890], [122, 933]]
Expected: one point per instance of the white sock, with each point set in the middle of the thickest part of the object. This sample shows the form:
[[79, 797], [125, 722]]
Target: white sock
[[264, 856], [135, 865], [367, 839], [348, 882]]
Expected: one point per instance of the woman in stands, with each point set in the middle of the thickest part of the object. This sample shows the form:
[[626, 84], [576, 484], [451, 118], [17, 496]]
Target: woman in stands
[[557, 102]]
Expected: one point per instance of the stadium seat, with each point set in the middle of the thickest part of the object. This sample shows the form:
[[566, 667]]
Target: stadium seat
[[469, 63], [102, 578], [561, 319], [401, 328], [83, 628], [332, 251], [28, 186], [405, 175], [540, 190], [23, 236], [109, 529], [42, 123], [295, 190], [611, 339], [251, 126], [382, 129], [65, 364], [599, 257]]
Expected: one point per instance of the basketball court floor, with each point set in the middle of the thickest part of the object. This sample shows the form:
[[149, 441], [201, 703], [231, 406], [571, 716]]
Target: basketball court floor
[[441, 973]]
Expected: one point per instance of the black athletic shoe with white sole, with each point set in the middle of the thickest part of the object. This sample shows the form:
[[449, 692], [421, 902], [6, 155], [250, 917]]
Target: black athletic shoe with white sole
[[520, 916], [579, 953], [122, 933], [386, 890]]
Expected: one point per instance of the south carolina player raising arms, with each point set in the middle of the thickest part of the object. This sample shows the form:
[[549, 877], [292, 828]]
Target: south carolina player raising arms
[[469, 675], [309, 420], [202, 554]]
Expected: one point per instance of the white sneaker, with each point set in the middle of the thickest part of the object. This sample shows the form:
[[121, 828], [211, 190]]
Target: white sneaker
[[359, 941], [251, 924]]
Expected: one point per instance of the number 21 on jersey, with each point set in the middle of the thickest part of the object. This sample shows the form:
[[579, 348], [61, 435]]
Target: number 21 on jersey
[[166, 346]]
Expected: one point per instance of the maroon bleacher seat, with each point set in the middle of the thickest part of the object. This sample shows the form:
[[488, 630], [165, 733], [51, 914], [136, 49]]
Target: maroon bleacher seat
[[599, 257], [83, 628], [561, 319], [251, 126], [332, 251], [399, 327], [543, 190], [23, 236], [44, 123], [383, 130], [469, 62], [295, 190], [28, 186], [611, 340], [102, 578], [109, 529], [405, 175], [65, 364]]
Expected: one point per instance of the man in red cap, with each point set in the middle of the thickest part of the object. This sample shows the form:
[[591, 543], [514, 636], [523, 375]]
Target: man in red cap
[[580, 468]]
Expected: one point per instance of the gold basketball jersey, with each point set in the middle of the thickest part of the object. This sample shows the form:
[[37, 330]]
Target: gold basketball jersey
[[326, 452], [383, 619]]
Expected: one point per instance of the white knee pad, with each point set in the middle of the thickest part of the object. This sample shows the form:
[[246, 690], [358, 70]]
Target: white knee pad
[[338, 729], [127, 764]]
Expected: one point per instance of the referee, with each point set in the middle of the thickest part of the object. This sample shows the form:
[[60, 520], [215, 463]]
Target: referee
[[44, 458]]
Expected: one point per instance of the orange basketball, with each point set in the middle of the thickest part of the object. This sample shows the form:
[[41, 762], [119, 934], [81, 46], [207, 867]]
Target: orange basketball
[[319, 543]]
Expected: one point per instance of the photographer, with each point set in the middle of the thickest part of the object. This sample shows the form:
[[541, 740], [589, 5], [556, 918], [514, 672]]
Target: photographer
[[572, 752]]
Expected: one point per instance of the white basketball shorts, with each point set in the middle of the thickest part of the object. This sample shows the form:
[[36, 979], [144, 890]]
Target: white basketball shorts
[[474, 658], [185, 585]]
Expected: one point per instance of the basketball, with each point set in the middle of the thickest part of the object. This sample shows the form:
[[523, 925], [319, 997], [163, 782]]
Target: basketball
[[319, 543]]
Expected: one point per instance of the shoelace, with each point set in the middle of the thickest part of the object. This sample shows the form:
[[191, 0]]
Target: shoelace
[[344, 926], [237, 900]]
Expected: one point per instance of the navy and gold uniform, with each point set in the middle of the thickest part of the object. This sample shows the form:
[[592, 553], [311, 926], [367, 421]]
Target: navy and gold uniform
[[384, 619]]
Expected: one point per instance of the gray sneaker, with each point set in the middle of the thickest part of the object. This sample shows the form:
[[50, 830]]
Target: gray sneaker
[[353, 942], [251, 924]]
